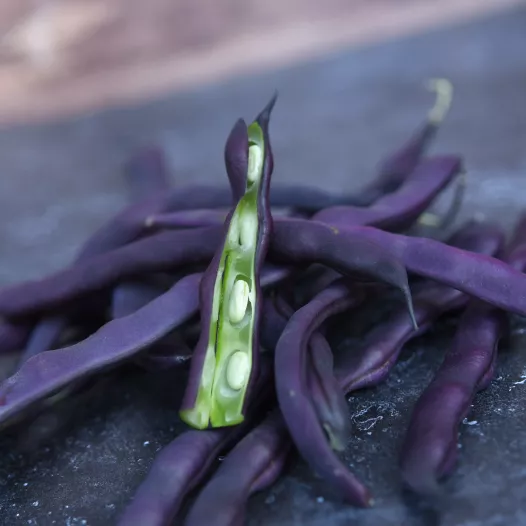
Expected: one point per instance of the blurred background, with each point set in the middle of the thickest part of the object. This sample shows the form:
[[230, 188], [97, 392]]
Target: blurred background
[[61, 57]]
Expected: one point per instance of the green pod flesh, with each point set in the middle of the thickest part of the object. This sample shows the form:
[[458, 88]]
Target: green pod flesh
[[227, 366]]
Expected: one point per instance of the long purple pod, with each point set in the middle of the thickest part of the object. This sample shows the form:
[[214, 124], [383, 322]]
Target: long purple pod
[[430, 448], [293, 395], [172, 476], [477, 275], [182, 465], [372, 362], [326, 394], [226, 334], [349, 251], [118, 340], [145, 174], [223, 500], [163, 251], [401, 208], [295, 241], [324, 391], [364, 250], [236, 159], [394, 168]]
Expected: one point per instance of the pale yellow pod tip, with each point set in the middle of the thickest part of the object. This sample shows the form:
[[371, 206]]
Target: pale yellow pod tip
[[444, 96]]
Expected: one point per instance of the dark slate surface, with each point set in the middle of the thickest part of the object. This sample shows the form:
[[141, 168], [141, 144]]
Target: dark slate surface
[[333, 120]]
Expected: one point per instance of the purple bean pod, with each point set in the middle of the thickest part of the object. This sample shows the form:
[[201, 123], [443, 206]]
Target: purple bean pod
[[183, 464], [325, 393], [293, 396], [167, 250], [477, 275], [236, 159], [400, 209], [395, 168], [364, 251], [371, 363], [175, 472], [118, 340], [430, 448], [192, 408], [145, 173], [246, 469]]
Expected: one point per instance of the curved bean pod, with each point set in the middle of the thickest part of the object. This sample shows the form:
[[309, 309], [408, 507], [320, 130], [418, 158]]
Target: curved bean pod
[[293, 398], [394, 169], [117, 341], [477, 275], [163, 251], [430, 446], [325, 393], [401, 208], [245, 470], [175, 472], [145, 173], [181, 465], [372, 362]]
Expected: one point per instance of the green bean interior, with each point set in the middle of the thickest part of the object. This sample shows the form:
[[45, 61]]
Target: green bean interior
[[228, 360]]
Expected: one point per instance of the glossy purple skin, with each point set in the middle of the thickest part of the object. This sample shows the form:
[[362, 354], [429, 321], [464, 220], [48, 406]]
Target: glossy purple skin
[[184, 463], [145, 174], [371, 363], [293, 395], [395, 168], [176, 470], [115, 342], [223, 500], [325, 393], [163, 251], [236, 159], [400, 209], [477, 275], [207, 289], [347, 251], [430, 447], [363, 251]]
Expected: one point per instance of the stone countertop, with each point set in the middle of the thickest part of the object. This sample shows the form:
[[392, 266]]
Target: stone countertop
[[334, 118]]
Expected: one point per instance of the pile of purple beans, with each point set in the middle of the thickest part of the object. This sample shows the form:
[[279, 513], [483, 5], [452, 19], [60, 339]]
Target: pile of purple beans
[[151, 274]]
